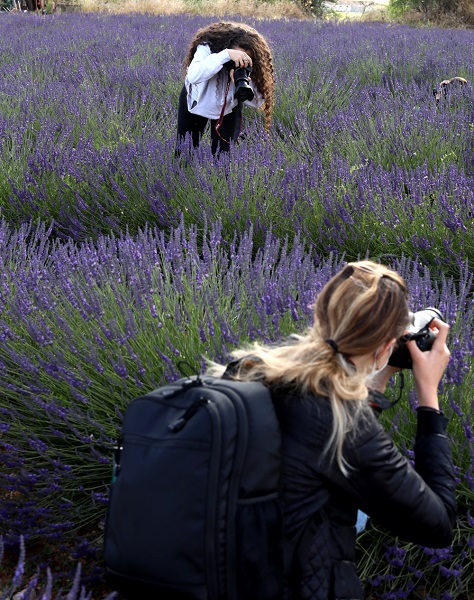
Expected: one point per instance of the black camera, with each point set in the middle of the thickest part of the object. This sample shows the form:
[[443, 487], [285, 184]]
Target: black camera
[[243, 91], [420, 331]]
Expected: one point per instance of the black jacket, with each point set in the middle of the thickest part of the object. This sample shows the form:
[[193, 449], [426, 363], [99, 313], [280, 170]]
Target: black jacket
[[416, 503]]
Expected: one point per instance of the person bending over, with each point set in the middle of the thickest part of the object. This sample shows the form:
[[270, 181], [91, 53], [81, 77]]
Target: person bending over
[[336, 457], [215, 54]]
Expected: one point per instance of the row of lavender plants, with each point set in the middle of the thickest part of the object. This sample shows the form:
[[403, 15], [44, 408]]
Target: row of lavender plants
[[360, 157], [85, 328], [19, 589], [206, 253]]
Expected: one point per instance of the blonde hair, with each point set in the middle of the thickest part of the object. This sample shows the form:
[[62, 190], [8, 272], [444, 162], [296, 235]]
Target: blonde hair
[[359, 309], [222, 35]]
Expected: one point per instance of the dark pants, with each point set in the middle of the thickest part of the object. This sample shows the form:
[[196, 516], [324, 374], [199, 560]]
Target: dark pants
[[195, 125]]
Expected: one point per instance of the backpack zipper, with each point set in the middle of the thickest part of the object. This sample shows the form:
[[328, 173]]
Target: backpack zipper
[[116, 465], [211, 541], [181, 422]]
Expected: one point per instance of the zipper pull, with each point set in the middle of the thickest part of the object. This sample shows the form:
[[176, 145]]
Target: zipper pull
[[116, 460], [181, 422], [185, 384]]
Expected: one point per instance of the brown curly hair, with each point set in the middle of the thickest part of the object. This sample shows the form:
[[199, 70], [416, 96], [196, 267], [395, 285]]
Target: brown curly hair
[[222, 35]]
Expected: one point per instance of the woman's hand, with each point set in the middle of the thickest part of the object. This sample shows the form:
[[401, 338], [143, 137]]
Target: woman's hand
[[240, 57], [429, 366]]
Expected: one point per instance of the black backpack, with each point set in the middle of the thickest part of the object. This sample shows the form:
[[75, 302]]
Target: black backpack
[[194, 510]]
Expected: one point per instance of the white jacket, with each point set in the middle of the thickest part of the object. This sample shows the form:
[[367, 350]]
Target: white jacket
[[206, 89]]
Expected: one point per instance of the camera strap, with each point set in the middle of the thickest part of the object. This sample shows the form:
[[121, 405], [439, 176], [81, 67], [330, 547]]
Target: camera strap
[[237, 110], [401, 377], [379, 402]]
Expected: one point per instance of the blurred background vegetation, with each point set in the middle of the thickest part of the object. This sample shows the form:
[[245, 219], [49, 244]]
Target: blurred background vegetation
[[439, 13]]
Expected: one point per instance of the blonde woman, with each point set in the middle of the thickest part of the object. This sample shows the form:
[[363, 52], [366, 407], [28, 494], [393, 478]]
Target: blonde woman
[[337, 458], [208, 93]]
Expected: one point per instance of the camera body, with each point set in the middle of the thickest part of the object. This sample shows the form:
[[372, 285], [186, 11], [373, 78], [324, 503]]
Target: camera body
[[420, 331], [243, 91]]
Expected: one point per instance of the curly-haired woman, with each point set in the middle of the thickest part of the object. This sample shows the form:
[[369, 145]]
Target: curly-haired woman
[[208, 92]]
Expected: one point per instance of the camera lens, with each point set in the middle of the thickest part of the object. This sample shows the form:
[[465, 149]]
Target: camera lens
[[420, 331], [243, 91]]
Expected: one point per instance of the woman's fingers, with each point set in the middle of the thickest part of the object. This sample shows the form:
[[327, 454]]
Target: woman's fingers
[[429, 366], [245, 61], [441, 329], [240, 58]]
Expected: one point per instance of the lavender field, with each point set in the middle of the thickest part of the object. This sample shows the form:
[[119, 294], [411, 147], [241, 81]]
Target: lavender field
[[119, 262]]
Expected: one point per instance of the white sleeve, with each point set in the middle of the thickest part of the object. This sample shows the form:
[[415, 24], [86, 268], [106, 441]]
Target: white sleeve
[[205, 64], [258, 99]]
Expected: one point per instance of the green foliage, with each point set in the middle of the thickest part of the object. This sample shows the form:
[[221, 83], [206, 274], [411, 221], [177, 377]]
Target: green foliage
[[399, 7], [315, 7]]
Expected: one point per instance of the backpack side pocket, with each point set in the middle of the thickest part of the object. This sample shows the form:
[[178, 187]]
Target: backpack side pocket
[[259, 535]]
